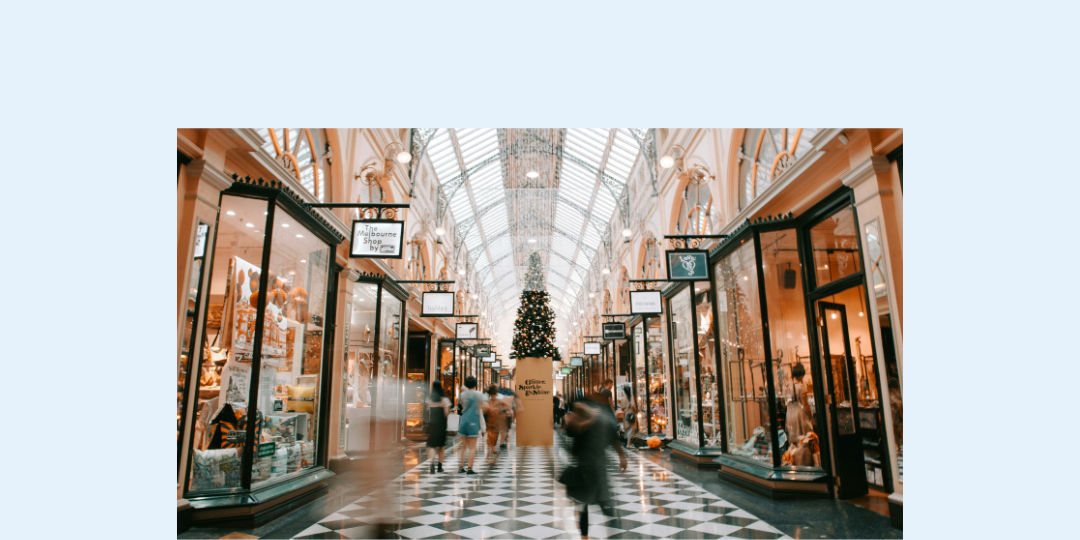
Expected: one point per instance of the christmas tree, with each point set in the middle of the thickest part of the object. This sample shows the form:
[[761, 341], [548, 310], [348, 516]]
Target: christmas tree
[[534, 329]]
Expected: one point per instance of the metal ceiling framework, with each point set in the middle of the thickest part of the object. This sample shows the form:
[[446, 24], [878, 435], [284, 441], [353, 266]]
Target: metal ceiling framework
[[526, 190]]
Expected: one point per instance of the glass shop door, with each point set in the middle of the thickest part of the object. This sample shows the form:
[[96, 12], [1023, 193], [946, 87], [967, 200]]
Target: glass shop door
[[842, 403]]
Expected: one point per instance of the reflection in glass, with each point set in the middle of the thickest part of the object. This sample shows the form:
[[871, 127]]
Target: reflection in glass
[[835, 246], [742, 355], [389, 370], [685, 387], [186, 352]]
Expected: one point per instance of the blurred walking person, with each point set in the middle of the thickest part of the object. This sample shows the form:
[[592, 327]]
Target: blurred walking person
[[593, 431], [438, 409], [497, 417], [469, 428]]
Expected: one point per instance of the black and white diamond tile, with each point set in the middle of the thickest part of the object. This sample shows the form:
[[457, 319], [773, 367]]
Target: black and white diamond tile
[[521, 499]]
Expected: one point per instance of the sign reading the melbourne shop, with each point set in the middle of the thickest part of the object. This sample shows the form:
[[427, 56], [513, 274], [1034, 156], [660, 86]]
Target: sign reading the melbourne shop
[[377, 239], [614, 330], [645, 303], [688, 265], [592, 347], [437, 304]]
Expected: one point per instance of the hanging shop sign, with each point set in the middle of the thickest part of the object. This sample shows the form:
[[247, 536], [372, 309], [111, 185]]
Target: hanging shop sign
[[496, 365], [377, 239], [575, 361], [688, 265], [483, 350], [645, 303], [466, 330], [567, 370], [614, 330], [437, 304], [489, 359], [200, 241], [592, 347]]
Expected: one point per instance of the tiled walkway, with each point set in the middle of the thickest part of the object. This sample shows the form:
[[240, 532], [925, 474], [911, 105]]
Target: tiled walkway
[[522, 499]]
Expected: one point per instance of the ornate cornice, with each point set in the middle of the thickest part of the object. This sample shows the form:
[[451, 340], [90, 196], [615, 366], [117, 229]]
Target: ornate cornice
[[280, 186]]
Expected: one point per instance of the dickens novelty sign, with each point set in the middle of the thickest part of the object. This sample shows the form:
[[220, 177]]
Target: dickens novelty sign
[[378, 239]]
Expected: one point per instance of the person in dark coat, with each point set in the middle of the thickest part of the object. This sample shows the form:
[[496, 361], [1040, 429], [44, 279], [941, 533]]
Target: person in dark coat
[[593, 431], [438, 409]]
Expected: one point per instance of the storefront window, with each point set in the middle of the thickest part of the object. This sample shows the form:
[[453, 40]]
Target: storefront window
[[658, 380], [681, 315], [742, 355], [641, 384], [446, 368], [361, 352], [389, 375], [836, 247], [285, 385], [187, 344], [230, 326], [710, 389], [797, 430], [292, 356]]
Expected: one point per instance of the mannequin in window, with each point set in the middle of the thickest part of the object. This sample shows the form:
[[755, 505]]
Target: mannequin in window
[[799, 427]]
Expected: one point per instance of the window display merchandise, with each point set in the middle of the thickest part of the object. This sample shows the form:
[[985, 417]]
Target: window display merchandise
[[685, 382], [256, 421], [658, 379], [706, 350]]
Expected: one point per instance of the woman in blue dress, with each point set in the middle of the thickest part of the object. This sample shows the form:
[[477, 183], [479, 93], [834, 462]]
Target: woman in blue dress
[[469, 427]]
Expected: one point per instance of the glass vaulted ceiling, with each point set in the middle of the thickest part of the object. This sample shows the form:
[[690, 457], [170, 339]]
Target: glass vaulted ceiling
[[515, 191]]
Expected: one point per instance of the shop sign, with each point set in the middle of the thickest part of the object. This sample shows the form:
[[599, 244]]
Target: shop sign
[[466, 330], [614, 330], [575, 361], [267, 449], [567, 370], [437, 304], [687, 265], [200, 241], [592, 347], [377, 239], [496, 365], [645, 303], [483, 350]]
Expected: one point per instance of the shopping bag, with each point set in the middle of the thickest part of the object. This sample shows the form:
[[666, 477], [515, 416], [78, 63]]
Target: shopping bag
[[452, 422]]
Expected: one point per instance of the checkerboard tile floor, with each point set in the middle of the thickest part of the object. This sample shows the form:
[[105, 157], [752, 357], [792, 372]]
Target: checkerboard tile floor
[[521, 498]]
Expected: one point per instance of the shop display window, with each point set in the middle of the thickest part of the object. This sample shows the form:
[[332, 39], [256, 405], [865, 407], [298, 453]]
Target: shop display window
[[641, 380], [187, 338], [835, 245], [681, 316], [389, 382], [706, 350], [798, 435], [447, 373], [658, 379], [742, 355], [260, 374]]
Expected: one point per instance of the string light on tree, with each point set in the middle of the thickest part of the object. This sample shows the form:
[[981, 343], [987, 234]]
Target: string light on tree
[[534, 329]]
